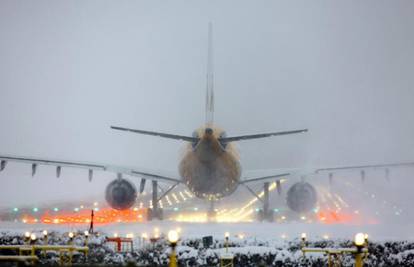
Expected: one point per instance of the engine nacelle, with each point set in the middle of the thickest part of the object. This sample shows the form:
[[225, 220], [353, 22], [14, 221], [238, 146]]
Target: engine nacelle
[[301, 197], [121, 194]]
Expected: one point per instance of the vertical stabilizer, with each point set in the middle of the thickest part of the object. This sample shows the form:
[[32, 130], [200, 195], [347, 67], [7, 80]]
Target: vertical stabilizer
[[210, 78]]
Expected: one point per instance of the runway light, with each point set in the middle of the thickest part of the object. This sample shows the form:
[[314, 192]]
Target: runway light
[[303, 236], [359, 239], [33, 237], [173, 236]]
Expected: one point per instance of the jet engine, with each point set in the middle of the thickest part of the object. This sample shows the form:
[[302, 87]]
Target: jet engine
[[120, 194], [301, 197]]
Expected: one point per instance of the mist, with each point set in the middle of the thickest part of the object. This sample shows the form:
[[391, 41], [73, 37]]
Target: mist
[[69, 70]]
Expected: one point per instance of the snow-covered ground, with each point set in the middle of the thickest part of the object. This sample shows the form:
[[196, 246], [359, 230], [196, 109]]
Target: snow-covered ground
[[249, 251], [259, 230], [251, 244]]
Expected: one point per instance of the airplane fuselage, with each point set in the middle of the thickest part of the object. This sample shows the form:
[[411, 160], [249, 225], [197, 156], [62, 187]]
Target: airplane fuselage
[[209, 168]]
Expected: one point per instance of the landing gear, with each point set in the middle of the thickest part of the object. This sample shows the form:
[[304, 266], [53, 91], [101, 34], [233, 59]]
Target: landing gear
[[265, 214], [156, 211]]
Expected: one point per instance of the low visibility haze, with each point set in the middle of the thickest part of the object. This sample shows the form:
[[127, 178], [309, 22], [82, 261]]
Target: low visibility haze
[[69, 70]]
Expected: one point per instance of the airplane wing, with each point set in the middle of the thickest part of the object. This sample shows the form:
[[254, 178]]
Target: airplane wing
[[82, 165], [256, 136], [165, 135], [306, 172], [362, 167]]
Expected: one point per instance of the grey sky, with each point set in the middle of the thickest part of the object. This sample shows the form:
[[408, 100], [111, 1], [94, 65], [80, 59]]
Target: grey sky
[[70, 69]]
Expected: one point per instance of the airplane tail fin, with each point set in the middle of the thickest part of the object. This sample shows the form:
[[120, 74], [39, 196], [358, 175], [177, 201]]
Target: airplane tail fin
[[210, 78]]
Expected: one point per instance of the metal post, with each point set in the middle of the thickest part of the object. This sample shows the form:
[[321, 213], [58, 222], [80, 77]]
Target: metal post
[[358, 259], [329, 260], [173, 257], [91, 225], [266, 213]]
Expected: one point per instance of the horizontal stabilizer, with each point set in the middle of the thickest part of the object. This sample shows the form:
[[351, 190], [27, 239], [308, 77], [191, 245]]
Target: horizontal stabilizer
[[256, 136], [165, 135]]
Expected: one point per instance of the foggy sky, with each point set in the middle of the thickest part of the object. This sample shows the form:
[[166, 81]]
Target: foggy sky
[[69, 70]]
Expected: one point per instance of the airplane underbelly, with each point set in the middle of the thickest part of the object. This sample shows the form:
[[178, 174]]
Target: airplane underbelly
[[212, 179]]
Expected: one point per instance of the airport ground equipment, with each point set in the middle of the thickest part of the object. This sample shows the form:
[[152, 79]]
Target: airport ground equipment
[[121, 244], [265, 214], [226, 260], [335, 254]]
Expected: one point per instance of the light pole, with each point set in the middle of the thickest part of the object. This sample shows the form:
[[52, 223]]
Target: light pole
[[86, 233], [226, 237], [71, 236], [27, 238], [359, 242], [45, 241], [33, 238], [303, 239], [45, 233], [173, 239]]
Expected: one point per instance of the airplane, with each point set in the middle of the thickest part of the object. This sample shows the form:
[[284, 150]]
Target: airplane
[[210, 167]]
